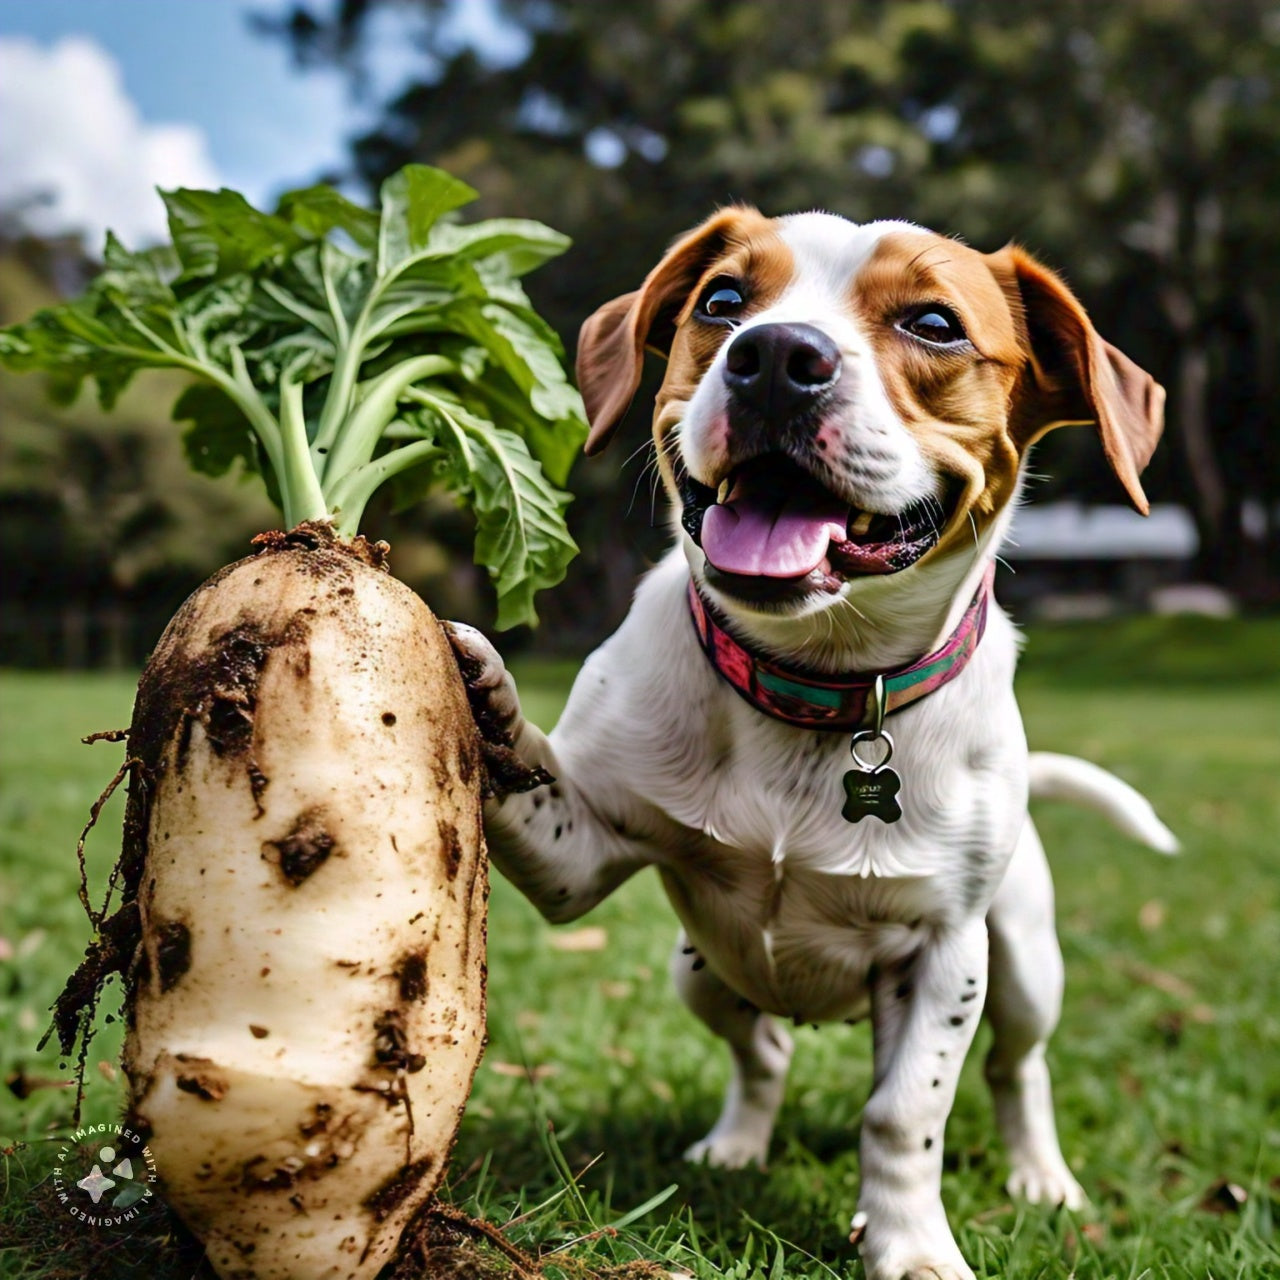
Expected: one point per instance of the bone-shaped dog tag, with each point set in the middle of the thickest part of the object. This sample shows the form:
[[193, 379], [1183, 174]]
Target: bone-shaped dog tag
[[871, 789]]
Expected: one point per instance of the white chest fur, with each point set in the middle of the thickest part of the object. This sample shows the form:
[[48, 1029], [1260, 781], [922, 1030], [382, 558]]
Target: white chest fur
[[791, 903]]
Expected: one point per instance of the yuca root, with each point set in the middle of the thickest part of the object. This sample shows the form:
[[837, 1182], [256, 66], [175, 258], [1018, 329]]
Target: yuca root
[[111, 951]]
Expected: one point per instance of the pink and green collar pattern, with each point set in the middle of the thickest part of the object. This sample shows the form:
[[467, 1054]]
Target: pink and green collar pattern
[[813, 700]]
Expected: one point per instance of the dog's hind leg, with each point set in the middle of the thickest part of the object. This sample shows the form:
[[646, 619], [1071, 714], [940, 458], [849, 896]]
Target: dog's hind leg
[[761, 1053], [1023, 1002]]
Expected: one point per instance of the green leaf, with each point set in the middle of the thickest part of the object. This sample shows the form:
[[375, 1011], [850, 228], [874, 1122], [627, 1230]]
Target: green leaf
[[515, 245], [145, 278], [218, 316], [521, 536], [317, 211], [219, 233], [413, 200], [557, 425], [71, 343], [219, 435], [341, 349]]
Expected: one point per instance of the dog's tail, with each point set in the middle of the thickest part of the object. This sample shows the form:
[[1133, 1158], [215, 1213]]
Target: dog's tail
[[1058, 777]]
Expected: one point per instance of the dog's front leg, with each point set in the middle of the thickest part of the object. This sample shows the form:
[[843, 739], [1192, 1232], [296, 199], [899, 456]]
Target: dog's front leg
[[929, 1018], [563, 848]]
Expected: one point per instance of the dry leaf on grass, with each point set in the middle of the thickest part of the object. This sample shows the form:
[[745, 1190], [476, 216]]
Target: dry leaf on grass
[[1151, 915], [592, 938], [515, 1069], [1161, 979]]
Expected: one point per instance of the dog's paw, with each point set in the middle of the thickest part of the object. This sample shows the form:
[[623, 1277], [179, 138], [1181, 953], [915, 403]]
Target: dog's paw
[[490, 687], [917, 1269], [495, 705], [1046, 1182], [910, 1253], [729, 1151]]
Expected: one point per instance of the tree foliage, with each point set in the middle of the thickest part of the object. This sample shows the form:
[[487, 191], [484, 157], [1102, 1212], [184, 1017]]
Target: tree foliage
[[1133, 143]]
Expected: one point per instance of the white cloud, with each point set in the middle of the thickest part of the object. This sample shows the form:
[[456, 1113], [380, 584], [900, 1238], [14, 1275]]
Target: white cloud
[[75, 153]]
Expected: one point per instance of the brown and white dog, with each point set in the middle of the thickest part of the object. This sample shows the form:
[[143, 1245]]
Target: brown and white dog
[[842, 428]]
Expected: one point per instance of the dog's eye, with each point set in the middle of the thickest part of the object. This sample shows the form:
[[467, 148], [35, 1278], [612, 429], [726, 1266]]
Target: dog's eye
[[722, 299], [936, 324]]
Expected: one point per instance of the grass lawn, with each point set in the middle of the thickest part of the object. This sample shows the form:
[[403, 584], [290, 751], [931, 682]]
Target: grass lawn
[[1167, 1063]]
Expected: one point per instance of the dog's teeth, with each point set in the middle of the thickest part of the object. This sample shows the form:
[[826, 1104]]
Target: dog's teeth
[[862, 523], [722, 494]]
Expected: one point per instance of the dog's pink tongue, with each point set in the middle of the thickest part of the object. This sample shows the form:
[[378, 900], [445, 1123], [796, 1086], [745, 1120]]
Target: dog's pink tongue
[[765, 536]]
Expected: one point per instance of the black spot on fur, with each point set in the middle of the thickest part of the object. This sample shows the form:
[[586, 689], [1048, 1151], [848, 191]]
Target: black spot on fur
[[956, 1021], [928, 1142]]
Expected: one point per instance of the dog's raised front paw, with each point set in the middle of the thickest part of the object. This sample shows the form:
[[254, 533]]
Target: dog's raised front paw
[[495, 705], [1046, 1182]]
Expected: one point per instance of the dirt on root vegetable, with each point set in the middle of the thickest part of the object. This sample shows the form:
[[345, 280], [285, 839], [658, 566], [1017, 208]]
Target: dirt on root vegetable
[[302, 910]]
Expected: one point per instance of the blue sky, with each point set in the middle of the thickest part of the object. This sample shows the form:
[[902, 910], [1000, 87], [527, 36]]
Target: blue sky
[[247, 116], [197, 62]]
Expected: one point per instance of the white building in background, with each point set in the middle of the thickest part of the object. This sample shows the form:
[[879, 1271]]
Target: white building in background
[[1069, 560], [1073, 531]]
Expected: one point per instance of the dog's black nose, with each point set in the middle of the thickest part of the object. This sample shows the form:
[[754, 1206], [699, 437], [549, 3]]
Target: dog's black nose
[[779, 370]]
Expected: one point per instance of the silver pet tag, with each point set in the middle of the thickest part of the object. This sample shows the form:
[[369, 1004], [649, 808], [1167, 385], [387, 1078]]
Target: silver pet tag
[[871, 788]]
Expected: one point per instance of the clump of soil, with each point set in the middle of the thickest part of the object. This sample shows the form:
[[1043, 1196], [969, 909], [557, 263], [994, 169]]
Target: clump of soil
[[440, 1243]]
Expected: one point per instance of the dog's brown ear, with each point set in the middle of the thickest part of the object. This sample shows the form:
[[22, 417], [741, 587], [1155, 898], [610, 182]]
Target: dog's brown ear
[[1077, 377], [612, 341]]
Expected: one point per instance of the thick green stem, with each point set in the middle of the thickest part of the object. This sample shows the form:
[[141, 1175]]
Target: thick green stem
[[359, 434], [351, 494], [299, 484], [340, 396]]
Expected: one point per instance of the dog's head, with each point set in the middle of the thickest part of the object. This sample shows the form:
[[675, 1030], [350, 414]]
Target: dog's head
[[843, 402]]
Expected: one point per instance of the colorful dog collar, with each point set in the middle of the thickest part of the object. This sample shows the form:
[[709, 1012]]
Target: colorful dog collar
[[813, 700]]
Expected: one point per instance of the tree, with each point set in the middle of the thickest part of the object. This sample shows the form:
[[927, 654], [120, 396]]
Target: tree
[[1132, 142]]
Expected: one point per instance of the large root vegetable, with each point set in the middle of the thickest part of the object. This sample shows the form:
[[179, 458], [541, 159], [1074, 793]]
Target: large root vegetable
[[307, 1006], [301, 928]]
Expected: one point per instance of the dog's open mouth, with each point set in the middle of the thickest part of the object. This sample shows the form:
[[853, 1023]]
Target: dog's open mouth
[[773, 528]]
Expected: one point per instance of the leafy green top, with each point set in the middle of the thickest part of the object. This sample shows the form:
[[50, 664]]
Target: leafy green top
[[337, 349]]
